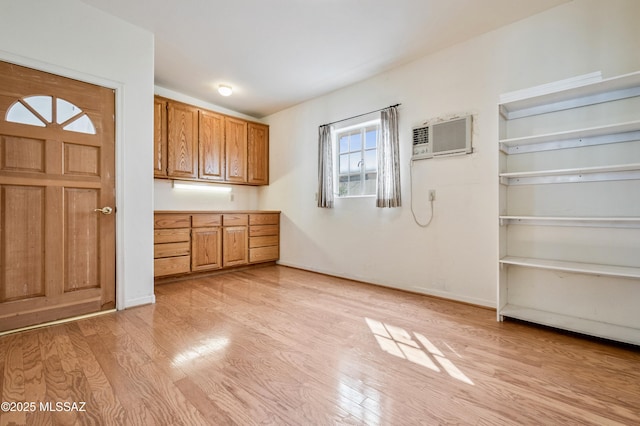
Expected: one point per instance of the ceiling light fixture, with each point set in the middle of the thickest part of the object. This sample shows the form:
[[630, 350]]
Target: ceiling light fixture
[[225, 90]]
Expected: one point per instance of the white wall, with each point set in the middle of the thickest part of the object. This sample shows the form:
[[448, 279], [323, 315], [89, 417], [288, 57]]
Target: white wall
[[69, 38], [456, 256], [167, 198]]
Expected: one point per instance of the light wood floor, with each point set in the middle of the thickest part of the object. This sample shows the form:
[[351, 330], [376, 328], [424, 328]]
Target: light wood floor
[[277, 345]]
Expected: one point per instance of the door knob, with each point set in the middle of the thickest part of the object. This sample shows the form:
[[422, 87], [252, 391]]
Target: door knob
[[104, 210]]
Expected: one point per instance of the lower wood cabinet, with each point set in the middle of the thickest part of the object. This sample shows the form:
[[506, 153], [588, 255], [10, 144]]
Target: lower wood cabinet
[[205, 241], [264, 237], [235, 239], [171, 244], [206, 249]]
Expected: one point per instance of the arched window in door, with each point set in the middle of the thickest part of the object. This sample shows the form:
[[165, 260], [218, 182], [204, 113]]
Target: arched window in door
[[44, 111]]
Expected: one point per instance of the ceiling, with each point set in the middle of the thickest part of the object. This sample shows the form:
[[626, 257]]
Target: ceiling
[[278, 53]]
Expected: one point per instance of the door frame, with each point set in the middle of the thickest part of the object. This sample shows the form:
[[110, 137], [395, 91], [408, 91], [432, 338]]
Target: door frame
[[118, 87]]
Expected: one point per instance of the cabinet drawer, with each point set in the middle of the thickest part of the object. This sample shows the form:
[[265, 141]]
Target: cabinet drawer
[[260, 230], [267, 240], [170, 235], [162, 221], [264, 219], [206, 220], [235, 219], [171, 266], [263, 254], [171, 249]]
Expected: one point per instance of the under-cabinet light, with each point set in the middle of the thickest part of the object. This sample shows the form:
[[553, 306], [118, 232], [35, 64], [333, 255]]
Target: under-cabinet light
[[200, 187]]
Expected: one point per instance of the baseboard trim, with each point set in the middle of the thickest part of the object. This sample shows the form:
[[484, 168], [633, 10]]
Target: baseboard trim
[[146, 300], [480, 303]]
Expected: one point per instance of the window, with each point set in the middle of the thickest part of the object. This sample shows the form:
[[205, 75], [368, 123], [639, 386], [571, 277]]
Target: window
[[357, 162]]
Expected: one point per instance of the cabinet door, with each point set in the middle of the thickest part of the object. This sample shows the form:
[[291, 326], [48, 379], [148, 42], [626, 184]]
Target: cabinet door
[[182, 141], [159, 137], [206, 249], [258, 154], [235, 245], [236, 149], [211, 145]]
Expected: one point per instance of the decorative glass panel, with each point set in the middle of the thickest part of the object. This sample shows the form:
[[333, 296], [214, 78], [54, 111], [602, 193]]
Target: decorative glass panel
[[43, 105], [18, 113], [65, 110], [81, 125]]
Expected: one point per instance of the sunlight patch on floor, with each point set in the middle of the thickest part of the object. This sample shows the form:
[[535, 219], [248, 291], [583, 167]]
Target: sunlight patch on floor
[[415, 348]]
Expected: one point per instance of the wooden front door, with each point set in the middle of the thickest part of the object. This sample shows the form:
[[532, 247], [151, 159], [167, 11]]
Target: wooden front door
[[57, 197]]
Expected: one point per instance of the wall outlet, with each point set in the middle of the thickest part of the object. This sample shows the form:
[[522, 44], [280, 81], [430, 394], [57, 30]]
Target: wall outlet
[[432, 195]]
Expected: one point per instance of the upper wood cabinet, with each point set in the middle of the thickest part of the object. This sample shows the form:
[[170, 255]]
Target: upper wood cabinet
[[236, 149], [258, 154], [159, 137], [211, 146], [195, 144], [182, 141]]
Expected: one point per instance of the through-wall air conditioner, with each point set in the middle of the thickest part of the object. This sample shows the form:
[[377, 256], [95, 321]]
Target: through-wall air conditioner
[[441, 138]]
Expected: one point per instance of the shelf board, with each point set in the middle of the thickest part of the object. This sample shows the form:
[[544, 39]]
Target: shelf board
[[603, 222], [578, 325], [573, 175], [577, 267], [599, 135], [605, 90]]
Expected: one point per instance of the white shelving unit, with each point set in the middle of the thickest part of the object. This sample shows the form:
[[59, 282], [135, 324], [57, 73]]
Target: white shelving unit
[[569, 252]]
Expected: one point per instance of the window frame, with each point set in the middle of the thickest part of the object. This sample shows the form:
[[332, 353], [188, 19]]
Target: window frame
[[363, 128]]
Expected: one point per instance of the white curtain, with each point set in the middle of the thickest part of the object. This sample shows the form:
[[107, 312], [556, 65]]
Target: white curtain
[[325, 167], [388, 194]]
